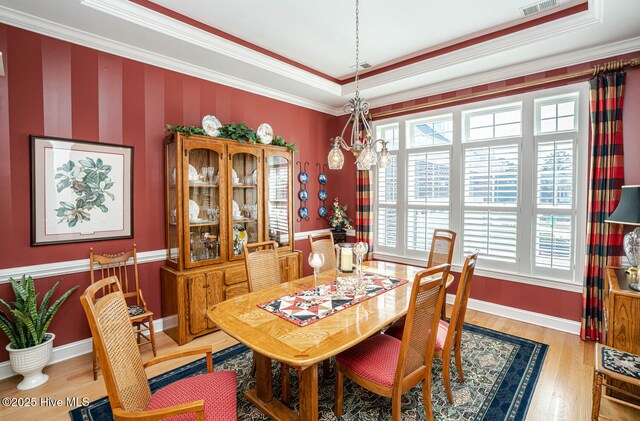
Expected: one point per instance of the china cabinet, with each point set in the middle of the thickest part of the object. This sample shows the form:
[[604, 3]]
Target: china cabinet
[[220, 195]]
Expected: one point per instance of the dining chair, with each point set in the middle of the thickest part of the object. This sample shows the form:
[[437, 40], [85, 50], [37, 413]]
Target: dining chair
[[263, 271], [615, 364], [390, 367], [450, 333], [207, 396], [323, 243], [442, 244], [124, 266]]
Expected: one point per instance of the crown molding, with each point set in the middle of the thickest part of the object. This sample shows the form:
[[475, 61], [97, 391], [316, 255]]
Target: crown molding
[[532, 67], [485, 49], [63, 32], [147, 18]]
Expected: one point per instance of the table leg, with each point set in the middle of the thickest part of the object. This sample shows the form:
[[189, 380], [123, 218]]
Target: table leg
[[264, 378], [262, 395], [309, 393]]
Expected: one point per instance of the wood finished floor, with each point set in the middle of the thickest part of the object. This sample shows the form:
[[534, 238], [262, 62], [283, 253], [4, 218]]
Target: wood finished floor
[[563, 391]]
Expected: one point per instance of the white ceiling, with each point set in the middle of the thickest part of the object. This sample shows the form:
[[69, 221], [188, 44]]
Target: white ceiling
[[320, 35]]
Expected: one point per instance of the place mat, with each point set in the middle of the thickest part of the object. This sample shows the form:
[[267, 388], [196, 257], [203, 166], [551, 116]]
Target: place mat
[[296, 309]]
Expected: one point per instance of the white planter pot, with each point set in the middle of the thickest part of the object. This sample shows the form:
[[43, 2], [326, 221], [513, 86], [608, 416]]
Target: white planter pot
[[29, 362]]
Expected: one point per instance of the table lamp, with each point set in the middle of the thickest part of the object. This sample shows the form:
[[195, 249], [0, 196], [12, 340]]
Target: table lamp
[[628, 213]]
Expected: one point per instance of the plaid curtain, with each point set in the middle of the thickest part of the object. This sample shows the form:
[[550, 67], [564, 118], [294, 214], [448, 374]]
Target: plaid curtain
[[364, 217], [606, 176]]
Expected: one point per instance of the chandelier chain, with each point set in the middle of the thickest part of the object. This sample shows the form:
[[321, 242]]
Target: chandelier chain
[[357, 46]]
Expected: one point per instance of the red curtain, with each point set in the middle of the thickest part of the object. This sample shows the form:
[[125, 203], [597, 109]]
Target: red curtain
[[606, 177], [364, 216]]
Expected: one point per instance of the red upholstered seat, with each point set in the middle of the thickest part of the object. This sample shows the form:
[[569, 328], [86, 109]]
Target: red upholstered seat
[[397, 327], [218, 390], [375, 359]]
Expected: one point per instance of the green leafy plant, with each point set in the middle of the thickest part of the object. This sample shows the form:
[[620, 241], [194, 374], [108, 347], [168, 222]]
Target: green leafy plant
[[28, 325], [189, 131], [279, 141]]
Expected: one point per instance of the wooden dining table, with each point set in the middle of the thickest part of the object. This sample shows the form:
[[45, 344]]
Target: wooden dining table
[[273, 338]]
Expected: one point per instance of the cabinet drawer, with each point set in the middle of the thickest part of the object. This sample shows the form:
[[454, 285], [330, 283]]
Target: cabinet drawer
[[235, 275], [237, 289]]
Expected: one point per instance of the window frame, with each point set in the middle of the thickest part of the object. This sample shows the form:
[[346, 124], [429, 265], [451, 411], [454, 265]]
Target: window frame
[[524, 269]]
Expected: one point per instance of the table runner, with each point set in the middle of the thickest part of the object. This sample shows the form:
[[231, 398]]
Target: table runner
[[296, 309]]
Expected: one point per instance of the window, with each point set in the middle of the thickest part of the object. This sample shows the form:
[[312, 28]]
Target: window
[[502, 174]]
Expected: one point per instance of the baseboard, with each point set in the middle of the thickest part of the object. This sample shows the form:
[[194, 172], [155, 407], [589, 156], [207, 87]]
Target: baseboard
[[551, 322], [70, 350]]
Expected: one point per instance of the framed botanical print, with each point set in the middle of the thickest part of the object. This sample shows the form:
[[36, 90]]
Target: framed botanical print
[[80, 191]]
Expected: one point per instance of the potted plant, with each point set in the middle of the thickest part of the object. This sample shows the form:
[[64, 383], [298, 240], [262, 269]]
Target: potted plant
[[26, 327], [338, 218]]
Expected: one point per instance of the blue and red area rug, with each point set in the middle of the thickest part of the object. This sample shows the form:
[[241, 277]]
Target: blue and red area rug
[[500, 372]]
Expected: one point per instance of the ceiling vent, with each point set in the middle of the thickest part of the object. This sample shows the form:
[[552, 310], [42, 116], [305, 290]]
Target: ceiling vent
[[538, 7], [363, 65]]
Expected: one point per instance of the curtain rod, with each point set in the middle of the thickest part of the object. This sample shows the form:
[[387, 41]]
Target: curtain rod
[[607, 67]]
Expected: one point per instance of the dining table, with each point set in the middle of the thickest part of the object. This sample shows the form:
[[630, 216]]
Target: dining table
[[302, 347]]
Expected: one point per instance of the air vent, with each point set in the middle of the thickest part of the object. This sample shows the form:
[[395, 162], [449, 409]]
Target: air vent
[[363, 65], [539, 7]]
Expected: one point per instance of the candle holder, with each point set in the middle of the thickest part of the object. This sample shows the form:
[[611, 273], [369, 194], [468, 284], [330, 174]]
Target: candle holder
[[345, 259], [316, 261], [360, 249]]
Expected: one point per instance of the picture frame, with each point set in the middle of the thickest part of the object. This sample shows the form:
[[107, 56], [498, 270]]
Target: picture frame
[[80, 191]]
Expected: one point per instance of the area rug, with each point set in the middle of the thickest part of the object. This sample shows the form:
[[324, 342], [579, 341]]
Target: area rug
[[500, 372]]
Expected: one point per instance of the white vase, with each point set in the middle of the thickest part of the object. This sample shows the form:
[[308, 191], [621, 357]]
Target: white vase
[[29, 362]]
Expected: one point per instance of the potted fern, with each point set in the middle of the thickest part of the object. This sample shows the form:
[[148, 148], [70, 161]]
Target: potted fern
[[26, 327]]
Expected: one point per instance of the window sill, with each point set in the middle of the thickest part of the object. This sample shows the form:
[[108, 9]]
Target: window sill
[[489, 273]]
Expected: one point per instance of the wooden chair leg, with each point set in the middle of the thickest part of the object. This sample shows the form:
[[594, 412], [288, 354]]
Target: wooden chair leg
[[339, 390], [95, 361], [396, 406], [152, 335], [426, 397], [286, 387], [446, 373], [326, 369], [597, 396], [458, 355]]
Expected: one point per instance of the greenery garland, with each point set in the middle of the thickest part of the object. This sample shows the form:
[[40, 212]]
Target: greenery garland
[[239, 132]]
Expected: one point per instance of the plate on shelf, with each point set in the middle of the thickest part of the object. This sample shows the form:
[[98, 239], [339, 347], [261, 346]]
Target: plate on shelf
[[303, 212], [303, 195], [322, 195], [303, 177], [265, 133], [235, 208], [193, 174], [211, 125], [240, 234], [322, 211], [322, 179], [194, 209]]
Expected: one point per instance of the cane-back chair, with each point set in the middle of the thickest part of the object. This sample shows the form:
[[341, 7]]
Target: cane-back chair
[[124, 266], [323, 243], [390, 367], [210, 396], [442, 244]]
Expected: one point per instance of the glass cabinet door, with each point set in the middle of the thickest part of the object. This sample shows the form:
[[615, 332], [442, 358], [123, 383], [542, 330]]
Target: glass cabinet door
[[172, 173], [203, 175], [278, 191], [245, 186]]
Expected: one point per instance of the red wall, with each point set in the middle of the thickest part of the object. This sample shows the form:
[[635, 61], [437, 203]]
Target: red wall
[[59, 89]]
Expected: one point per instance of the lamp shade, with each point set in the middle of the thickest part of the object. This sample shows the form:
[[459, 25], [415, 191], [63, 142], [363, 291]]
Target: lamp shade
[[628, 210]]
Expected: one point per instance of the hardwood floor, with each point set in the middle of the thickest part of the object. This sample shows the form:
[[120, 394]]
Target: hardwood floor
[[563, 391]]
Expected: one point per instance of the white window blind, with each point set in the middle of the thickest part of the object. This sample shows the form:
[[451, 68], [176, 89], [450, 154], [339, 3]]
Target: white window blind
[[429, 177], [387, 189], [491, 175], [494, 234], [387, 218], [421, 223], [278, 209]]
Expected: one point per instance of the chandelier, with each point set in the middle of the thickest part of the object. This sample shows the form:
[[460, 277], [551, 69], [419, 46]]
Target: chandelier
[[361, 142]]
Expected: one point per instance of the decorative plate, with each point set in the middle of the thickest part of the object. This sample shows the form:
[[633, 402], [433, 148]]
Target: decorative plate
[[193, 173], [322, 194], [211, 125], [235, 208], [303, 195], [240, 234], [322, 211], [303, 177], [194, 209], [265, 133], [303, 212], [322, 178]]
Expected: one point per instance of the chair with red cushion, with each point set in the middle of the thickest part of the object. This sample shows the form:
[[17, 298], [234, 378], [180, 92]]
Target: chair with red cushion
[[210, 396], [449, 337], [389, 366]]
